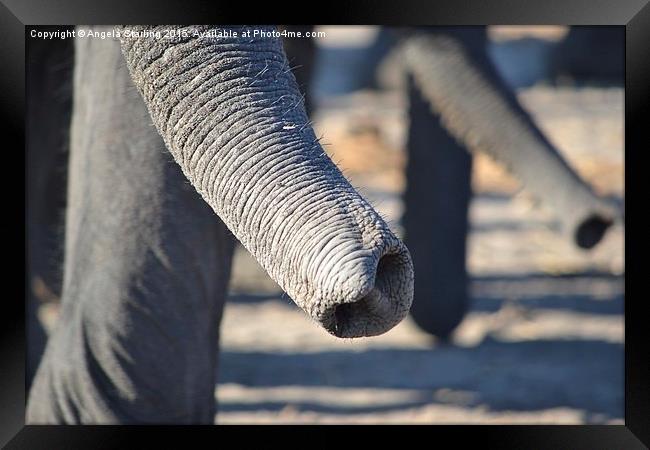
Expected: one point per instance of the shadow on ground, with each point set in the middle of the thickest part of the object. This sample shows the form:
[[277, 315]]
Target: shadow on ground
[[580, 374], [534, 373]]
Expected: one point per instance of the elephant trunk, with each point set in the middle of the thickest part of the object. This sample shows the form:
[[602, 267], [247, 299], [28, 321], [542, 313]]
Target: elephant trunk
[[230, 112], [480, 112]]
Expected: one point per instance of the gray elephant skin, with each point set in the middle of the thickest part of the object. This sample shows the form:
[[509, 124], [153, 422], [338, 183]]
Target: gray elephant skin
[[167, 132], [147, 261], [459, 105]]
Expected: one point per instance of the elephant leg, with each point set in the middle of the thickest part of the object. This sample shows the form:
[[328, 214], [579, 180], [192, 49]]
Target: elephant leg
[[49, 105], [146, 268], [437, 197]]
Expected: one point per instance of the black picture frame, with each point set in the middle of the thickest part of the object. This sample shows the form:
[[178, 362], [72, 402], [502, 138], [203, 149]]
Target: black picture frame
[[16, 15]]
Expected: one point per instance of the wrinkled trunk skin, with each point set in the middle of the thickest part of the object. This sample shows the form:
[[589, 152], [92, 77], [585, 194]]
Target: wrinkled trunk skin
[[49, 105], [436, 203], [451, 68], [146, 268], [231, 114], [147, 262]]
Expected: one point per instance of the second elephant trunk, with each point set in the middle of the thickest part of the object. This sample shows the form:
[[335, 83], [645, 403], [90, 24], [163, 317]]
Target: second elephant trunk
[[231, 114], [479, 110]]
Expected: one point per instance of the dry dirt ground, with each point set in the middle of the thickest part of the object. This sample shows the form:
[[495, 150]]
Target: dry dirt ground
[[543, 342]]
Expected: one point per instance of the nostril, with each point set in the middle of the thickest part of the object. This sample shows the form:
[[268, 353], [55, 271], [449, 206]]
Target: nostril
[[381, 307], [389, 266], [343, 313], [591, 231]]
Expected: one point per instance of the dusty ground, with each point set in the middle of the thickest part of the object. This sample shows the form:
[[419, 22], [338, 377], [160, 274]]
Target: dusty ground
[[543, 342]]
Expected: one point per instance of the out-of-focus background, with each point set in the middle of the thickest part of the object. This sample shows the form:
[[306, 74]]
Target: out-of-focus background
[[543, 341]]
